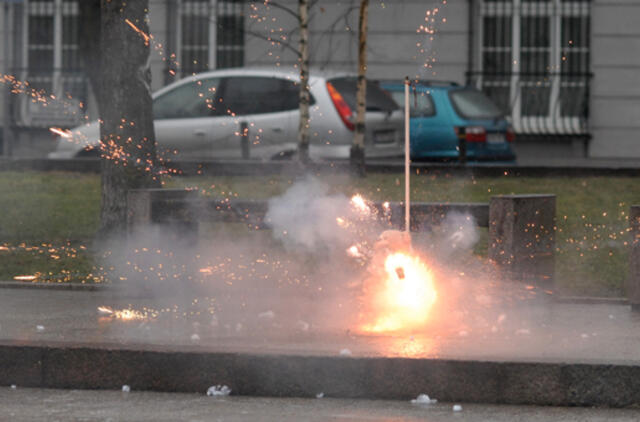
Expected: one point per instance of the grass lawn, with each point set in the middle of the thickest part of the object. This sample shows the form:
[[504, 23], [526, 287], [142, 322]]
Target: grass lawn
[[49, 219]]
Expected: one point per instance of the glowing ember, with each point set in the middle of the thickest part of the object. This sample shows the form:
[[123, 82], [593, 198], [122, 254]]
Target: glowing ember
[[359, 203], [144, 36], [105, 310], [405, 297], [64, 133], [354, 252], [25, 277], [122, 314]]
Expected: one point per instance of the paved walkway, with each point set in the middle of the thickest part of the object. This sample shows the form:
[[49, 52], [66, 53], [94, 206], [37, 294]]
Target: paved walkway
[[522, 332], [71, 405]]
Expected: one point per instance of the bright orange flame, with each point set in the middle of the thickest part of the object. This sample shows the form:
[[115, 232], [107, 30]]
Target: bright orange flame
[[405, 297]]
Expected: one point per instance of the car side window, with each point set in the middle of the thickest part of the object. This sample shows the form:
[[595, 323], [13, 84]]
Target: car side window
[[420, 103], [190, 100], [259, 95]]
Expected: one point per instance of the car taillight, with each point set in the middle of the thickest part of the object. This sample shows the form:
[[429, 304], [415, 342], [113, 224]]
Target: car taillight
[[472, 133], [510, 135], [343, 109]]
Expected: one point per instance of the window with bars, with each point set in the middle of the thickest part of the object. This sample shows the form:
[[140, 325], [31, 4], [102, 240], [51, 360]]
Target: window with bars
[[210, 35], [51, 61], [532, 58]]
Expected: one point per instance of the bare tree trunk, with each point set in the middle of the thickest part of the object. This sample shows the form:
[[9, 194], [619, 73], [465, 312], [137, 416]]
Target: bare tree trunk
[[303, 126], [126, 129], [357, 149]]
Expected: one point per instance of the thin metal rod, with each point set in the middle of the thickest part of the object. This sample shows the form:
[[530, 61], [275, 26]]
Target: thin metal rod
[[407, 191]]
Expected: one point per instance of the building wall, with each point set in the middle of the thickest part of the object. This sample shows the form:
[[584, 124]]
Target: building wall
[[615, 93], [158, 19], [395, 47]]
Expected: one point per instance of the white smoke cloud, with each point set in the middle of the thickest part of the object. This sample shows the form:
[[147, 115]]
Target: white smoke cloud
[[306, 216]]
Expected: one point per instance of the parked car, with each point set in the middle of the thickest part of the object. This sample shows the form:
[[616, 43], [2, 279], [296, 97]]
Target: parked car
[[210, 114], [446, 115]]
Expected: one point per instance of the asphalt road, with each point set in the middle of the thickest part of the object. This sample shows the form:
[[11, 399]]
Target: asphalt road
[[23, 404]]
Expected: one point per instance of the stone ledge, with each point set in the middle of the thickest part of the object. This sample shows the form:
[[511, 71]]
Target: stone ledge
[[192, 370]]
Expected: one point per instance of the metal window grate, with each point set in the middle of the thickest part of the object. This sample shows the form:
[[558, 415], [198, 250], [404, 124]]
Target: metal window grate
[[47, 35], [533, 58], [209, 34]]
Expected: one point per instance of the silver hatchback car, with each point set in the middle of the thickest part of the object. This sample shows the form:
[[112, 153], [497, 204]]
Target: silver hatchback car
[[253, 113]]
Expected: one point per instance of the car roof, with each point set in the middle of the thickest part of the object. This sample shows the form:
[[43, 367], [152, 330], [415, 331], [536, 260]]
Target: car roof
[[397, 85], [283, 72]]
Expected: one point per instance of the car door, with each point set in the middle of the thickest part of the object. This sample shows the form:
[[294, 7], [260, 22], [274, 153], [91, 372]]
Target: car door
[[258, 117], [184, 118]]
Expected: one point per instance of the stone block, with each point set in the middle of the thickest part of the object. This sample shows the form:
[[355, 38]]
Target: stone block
[[522, 236], [173, 209], [633, 285]]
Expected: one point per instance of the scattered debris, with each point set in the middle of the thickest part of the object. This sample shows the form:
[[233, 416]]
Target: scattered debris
[[424, 399], [218, 390], [345, 352], [457, 408], [266, 315], [319, 395], [126, 388], [13, 386], [40, 328], [304, 326], [195, 338]]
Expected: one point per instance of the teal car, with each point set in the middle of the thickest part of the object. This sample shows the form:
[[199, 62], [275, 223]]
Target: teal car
[[450, 122]]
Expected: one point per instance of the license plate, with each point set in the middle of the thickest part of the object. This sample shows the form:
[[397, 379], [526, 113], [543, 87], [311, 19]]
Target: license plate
[[495, 138], [384, 137]]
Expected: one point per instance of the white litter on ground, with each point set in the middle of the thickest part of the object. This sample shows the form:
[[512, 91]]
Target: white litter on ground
[[40, 328], [424, 399], [13, 386], [195, 338], [319, 395], [266, 315], [218, 390], [302, 325], [345, 352], [126, 388], [457, 408]]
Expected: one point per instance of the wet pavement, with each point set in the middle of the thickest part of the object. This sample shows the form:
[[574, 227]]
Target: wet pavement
[[23, 404], [528, 332]]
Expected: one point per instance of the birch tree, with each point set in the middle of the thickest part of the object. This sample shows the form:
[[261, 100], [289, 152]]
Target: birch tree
[[303, 125], [357, 149]]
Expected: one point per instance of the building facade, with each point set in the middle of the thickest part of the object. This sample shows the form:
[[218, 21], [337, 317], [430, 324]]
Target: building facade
[[564, 71]]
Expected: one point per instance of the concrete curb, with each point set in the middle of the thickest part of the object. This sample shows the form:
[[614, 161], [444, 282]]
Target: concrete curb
[[193, 370], [51, 286], [255, 167]]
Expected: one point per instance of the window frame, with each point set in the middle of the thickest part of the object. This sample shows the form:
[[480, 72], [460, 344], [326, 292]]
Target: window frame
[[69, 111], [214, 11], [556, 80]]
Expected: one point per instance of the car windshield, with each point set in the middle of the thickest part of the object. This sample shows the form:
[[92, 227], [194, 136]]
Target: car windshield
[[421, 104], [377, 98], [472, 104]]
